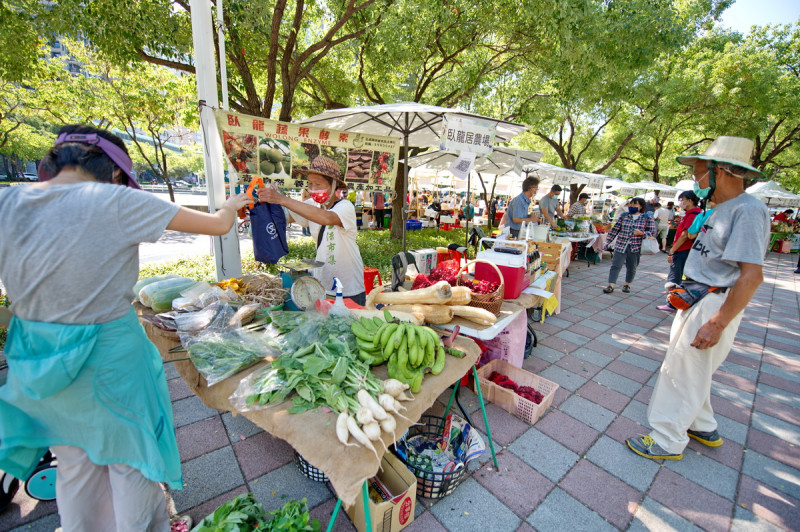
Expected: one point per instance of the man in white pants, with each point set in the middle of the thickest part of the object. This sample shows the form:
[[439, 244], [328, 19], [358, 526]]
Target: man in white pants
[[728, 253]]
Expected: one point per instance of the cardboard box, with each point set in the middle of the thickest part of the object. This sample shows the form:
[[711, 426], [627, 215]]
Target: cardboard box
[[426, 259], [397, 512]]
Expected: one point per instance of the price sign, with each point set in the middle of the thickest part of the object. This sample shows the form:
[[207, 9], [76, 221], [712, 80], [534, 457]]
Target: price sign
[[561, 179], [596, 183], [627, 191]]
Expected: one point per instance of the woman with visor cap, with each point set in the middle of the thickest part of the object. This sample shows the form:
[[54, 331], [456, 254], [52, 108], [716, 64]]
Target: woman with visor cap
[[83, 379]]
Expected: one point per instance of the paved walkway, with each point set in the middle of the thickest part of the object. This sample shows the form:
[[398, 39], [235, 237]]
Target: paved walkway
[[571, 471]]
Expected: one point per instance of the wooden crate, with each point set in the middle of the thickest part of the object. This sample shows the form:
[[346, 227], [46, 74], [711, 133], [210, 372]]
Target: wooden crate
[[510, 401]]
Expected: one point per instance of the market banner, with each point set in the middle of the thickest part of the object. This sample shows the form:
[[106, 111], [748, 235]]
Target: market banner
[[596, 183], [281, 152], [562, 179], [462, 166], [627, 191], [462, 134]]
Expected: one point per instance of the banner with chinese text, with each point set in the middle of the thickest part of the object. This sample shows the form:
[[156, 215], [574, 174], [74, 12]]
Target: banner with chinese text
[[463, 134], [282, 153]]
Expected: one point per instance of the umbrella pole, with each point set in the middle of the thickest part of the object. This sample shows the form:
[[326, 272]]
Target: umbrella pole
[[466, 221], [405, 184]]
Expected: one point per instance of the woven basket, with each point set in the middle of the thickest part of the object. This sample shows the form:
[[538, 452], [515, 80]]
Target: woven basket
[[491, 302]]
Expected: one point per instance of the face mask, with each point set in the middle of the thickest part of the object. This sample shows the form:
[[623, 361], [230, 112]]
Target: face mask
[[633, 210], [320, 196], [701, 192]]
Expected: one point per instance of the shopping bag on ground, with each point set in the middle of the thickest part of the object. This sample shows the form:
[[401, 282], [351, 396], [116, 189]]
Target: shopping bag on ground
[[268, 224], [649, 246]]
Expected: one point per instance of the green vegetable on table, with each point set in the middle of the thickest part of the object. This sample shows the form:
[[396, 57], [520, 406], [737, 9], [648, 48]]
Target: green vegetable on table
[[244, 514], [218, 356]]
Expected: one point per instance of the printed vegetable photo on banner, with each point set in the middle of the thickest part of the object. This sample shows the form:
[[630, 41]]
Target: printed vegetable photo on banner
[[282, 153]]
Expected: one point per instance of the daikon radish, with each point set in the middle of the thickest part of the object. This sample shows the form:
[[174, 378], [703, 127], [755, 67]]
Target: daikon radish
[[372, 431], [434, 314], [394, 387], [389, 426], [364, 416], [474, 314], [438, 293], [341, 430], [462, 295], [366, 400], [360, 437]]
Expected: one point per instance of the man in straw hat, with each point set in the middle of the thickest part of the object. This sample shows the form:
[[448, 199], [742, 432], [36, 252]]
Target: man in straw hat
[[728, 253], [333, 227]]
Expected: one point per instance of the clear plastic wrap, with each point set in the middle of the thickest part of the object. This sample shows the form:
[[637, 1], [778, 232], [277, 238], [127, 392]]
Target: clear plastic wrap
[[317, 328], [260, 390], [218, 354], [214, 317]]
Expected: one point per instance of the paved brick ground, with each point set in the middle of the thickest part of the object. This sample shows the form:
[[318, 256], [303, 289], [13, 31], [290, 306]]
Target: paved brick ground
[[571, 471]]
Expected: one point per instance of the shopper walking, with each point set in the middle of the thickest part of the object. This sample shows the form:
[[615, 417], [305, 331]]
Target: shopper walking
[[83, 378], [663, 215], [626, 240], [725, 261]]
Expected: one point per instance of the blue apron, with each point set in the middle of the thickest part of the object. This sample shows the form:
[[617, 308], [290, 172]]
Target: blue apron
[[97, 387]]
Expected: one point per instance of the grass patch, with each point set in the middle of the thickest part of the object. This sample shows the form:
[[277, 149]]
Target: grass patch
[[377, 249]]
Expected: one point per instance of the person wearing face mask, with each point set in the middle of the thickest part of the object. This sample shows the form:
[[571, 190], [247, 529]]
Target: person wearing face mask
[[550, 207], [726, 262], [682, 244], [626, 237], [333, 227]]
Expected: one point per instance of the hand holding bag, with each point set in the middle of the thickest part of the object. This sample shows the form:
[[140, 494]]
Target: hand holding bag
[[268, 223]]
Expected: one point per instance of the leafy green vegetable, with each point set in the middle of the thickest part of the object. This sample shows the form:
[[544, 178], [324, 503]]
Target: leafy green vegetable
[[286, 320], [217, 356], [240, 514]]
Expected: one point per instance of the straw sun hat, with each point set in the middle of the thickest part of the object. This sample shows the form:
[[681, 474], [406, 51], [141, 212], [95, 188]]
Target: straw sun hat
[[731, 150], [325, 166]]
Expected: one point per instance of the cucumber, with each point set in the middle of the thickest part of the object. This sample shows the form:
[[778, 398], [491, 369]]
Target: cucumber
[[162, 299], [146, 293], [150, 280]]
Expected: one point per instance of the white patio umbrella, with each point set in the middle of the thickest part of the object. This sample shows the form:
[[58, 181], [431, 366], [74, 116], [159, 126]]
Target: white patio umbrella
[[774, 194], [417, 124]]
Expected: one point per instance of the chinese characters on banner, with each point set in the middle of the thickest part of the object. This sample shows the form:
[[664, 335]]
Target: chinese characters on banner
[[596, 183], [562, 179], [282, 153], [462, 134], [627, 191]]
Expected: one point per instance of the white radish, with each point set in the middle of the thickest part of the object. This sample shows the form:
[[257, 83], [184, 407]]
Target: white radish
[[365, 399], [394, 387], [360, 437], [364, 416], [390, 404], [405, 396], [389, 425], [341, 430], [372, 431]]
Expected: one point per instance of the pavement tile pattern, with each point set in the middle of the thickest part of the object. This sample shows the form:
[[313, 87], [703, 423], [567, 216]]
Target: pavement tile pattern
[[571, 470]]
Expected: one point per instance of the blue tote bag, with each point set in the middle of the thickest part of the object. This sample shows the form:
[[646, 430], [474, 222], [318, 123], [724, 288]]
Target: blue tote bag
[[268, 223]]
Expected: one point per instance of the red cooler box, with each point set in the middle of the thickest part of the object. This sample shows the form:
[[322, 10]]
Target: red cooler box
[[513, 266]]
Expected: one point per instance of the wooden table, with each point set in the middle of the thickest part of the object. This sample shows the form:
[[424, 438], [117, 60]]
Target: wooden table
[[312, 433]]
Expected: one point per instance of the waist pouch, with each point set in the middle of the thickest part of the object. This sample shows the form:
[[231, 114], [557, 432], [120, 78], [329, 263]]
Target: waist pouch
[[683, 296]]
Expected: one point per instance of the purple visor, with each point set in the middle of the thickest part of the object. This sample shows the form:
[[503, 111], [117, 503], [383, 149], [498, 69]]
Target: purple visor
[[114, 152]]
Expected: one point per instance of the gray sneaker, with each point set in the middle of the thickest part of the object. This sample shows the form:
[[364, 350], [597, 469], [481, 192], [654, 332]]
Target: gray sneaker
[[712, 439], [647, 447]]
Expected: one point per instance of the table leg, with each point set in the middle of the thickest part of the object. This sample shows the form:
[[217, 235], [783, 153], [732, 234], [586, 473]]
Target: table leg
[[335, 513], [485, 417]]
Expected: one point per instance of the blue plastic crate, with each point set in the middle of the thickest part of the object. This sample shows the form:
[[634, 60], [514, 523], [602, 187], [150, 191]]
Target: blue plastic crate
[[413, 225]]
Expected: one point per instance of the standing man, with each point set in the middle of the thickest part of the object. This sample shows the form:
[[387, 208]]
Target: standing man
[[378, 209], [728, 253], [518, 207], [663, 215], [579, 207], [550, 207], [653, 204]]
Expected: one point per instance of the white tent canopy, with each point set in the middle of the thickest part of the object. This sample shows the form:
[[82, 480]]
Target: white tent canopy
[[500, 162], [773, 194]]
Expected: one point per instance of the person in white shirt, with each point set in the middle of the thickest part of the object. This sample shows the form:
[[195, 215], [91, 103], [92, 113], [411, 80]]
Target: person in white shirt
[[663, 215], [333, 227]]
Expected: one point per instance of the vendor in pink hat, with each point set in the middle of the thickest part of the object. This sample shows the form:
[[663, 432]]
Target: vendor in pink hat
[[333, 226], [723, 271]]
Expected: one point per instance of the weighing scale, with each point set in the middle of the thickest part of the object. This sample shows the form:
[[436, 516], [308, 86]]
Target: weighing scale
[[304, 290]]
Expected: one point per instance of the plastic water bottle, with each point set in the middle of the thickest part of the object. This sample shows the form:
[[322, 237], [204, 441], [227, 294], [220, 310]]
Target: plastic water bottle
[[338, 308]]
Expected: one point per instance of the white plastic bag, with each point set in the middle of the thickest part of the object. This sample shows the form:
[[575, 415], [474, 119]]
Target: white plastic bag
[[649, 246]]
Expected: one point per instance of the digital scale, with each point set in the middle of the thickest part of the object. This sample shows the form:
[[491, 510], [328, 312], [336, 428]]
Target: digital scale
[[304, 290]]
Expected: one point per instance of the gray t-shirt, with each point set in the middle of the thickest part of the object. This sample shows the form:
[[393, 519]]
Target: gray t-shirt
[[548, 204], [737, 231], [70, 253]]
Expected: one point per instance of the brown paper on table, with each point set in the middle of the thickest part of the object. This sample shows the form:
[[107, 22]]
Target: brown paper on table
[[313, 433]]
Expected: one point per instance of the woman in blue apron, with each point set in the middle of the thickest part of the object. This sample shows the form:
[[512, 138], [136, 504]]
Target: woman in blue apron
[[83, 378]]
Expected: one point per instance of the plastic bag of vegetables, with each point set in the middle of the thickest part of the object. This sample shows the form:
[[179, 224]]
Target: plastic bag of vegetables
[[318, 328], [219, 354]]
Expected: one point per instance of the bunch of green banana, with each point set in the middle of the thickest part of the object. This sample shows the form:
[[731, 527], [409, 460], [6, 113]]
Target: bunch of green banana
[[368, 333]]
